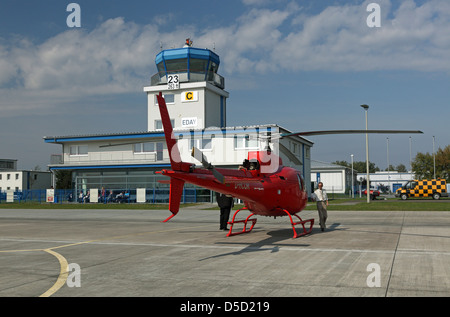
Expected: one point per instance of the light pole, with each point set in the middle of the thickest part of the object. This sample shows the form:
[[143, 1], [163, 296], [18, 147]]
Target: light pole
[[410, 160], [434, 161], [353, 195], [389, 176], [366, 108]]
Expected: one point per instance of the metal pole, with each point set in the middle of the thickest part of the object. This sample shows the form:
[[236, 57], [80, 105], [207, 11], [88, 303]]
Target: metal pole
[[389, 178], [353, 195], [434, 161], [366, 107], [410, 161]]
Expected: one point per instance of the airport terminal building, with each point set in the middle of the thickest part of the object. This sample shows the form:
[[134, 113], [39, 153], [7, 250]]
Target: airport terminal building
[[197, 103]]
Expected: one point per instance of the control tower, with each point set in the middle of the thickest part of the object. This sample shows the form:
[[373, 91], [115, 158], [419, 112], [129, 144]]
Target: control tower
[[193, 90]]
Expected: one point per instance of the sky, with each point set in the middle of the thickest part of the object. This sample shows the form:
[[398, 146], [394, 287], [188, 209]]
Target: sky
[[304, 65]]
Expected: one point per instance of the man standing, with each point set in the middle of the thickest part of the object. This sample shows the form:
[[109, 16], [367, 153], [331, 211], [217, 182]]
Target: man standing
[[322, 203], [225, 203]]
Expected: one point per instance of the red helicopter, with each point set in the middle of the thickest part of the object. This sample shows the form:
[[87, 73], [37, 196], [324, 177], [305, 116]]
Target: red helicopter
[[265, 191]]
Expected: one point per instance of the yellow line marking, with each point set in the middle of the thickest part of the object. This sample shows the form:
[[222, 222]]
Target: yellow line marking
[[64, 266], [63, 273]]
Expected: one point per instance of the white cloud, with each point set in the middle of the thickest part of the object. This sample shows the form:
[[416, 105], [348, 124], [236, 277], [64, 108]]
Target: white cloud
[[338, 38], [411, 37], [118, 56]]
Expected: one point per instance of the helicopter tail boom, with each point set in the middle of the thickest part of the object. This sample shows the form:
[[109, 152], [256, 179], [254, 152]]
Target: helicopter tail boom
[[172, 147]]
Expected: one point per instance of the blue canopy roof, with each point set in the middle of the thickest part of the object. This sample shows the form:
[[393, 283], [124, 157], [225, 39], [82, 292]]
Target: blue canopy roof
[[187, 53]]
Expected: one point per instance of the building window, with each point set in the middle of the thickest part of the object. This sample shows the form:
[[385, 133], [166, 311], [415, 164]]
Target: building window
[[294, 148], [245, 142], [159, 126], [78, 150], [149, 148], [170, 99], [17, 176], [202, 144]]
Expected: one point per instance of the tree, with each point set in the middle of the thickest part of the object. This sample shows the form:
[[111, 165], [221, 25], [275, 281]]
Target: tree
[[443, 161], [401, 168], [423, 165], [358, 166], [63, 179]]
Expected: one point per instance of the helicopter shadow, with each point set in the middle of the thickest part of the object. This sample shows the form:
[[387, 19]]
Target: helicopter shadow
[[273, 242]]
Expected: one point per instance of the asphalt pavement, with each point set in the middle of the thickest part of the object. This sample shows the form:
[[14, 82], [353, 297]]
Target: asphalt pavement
[[131, 253]]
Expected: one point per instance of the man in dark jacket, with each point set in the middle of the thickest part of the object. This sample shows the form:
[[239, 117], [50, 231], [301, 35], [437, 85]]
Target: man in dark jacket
[[225, 203]]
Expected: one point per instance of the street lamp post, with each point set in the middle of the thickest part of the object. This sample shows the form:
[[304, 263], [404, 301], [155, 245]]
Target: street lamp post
[[434, 161], [389, 170], [353, 195], [366, 107]]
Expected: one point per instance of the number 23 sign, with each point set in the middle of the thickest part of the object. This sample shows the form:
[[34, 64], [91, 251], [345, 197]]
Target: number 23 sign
[[173, 82]]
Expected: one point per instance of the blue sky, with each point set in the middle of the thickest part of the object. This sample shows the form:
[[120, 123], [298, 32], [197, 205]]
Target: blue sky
[[305, 65]]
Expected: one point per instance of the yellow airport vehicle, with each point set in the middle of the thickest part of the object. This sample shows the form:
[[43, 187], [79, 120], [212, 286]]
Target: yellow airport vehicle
[[435, 188]]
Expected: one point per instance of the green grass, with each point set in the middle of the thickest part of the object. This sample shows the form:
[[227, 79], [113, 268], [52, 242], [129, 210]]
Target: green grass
[[334, 204], [387, 205], [37, 205]]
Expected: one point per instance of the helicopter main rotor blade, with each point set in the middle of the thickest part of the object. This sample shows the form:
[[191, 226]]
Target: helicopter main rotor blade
[[199, 156], [306, 133]]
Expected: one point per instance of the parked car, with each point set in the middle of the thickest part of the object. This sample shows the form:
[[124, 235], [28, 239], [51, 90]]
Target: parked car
[[373, 193]]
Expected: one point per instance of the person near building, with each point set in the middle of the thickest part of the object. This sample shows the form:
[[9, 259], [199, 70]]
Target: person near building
[[321, 198]]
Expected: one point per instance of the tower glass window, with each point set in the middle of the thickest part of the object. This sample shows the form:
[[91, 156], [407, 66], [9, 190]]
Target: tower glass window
[[161, 70], [198, 65], [176, 65]]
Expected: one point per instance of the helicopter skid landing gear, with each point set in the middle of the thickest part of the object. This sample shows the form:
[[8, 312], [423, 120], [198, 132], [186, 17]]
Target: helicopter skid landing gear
[[302, 222], [245, 230]]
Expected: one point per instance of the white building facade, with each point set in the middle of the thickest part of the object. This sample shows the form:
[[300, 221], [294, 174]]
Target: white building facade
[[24, 180], [335, 178]]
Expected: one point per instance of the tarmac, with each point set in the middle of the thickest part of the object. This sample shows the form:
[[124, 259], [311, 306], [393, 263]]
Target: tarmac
[[131, 253]]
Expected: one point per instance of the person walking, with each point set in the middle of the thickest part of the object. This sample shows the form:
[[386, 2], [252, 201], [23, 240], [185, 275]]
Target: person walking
[[322, 204]]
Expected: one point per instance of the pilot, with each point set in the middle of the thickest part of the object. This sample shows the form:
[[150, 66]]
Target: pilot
[[253, 165], [245, 165]]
